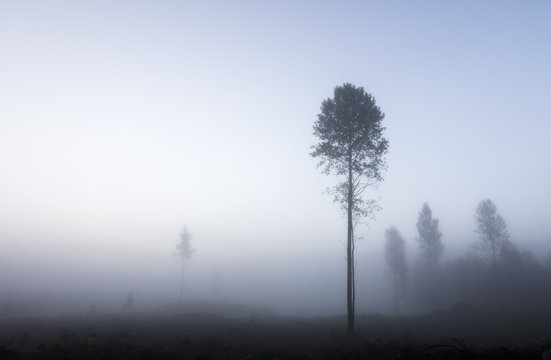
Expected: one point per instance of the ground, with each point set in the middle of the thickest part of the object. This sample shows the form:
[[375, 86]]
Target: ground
[[132, 335]]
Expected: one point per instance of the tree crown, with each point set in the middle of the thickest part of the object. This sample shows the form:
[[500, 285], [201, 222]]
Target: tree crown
[[184, 246], [429, 234], [491, 228], [351, 143], [395, 252], [350, 125]]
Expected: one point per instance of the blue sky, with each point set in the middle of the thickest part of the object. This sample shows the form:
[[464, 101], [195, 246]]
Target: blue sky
[[122, 121]]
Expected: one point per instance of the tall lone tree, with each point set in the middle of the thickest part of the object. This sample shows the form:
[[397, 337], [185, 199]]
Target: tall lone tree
[[395, 253], [430, 242], [184, 253], [492, 230], [351, 145]]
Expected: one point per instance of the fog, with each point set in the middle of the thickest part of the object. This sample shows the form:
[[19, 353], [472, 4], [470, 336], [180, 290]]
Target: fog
[[121, 123]]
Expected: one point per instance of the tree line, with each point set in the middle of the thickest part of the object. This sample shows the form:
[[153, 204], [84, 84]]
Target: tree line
[[495, 274]]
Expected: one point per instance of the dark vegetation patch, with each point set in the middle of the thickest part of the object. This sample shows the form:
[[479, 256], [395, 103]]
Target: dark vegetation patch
[[450, 335]]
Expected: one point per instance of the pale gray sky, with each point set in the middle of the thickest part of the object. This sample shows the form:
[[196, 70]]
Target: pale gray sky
[[122, 121]]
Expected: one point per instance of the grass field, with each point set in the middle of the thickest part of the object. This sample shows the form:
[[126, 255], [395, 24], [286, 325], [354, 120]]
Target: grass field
[[458, 334]]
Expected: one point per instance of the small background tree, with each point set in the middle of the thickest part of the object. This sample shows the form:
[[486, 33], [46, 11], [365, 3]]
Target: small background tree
[[129, 302], [494, 245], [184, 253], [492, 231], [430, 242], [395, 253]]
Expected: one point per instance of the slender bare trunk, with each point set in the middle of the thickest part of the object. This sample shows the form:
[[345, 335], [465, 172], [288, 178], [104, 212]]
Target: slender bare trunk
[[350, 258], [431, 285], [396, 311], [497, 283], [494, 269], [182, 286]]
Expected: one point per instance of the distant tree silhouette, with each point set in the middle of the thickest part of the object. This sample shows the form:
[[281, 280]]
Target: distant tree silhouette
[[395, 253], [184, 252], [351, 145], [492, 231], [430, 242], [129, 302]]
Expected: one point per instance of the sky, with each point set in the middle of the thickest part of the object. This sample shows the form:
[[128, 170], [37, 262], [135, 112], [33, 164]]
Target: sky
[[123, 121]]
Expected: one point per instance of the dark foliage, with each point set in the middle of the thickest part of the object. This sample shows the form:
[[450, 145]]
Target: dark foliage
[[351, 145]]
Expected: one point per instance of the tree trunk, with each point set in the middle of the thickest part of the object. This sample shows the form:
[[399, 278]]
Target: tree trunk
[[182, 286], [396, 311], [431, 286], [350, 259], [497, 283]]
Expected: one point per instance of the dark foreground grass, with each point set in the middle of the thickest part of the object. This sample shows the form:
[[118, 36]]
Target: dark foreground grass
[[203, 336]]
